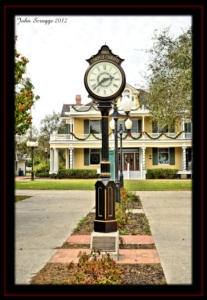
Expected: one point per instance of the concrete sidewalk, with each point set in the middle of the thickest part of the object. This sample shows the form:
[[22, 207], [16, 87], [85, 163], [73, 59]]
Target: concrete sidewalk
[[170, 218], [42, 223]]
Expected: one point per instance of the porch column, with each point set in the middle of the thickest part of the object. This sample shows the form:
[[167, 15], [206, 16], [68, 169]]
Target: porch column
[[143, 157], [184, 158], [143, 126], [51, 161], [71, 158], [56, 160], [66, 158], [143, 163], [183, 127]]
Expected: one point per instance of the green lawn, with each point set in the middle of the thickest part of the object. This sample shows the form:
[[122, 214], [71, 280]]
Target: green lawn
[[130, 185]]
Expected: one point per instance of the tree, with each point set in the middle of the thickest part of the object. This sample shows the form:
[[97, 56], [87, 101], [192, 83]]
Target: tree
[[24, 96], [50, 124], [170, 82]]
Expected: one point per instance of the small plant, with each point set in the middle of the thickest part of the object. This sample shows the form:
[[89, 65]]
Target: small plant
[[121, 215], [95, 268], [123, 232], [132, 197]]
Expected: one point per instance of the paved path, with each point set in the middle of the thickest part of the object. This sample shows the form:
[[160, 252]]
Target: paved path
[[42, 223], [46, 220], [169, 216]]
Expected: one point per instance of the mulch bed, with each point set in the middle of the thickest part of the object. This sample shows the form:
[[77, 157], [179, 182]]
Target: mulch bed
[[137, 224], [138, 274]]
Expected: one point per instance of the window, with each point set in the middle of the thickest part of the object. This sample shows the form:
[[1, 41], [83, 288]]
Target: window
[[157, 129], [163, 156], [126, 93], [188, 127], [95, 156], [95, 126], [123, 125]]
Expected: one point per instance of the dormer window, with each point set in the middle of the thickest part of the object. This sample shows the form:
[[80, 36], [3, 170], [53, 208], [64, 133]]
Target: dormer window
[[126, 93]]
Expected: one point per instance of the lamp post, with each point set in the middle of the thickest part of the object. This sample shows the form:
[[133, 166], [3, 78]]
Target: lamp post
[[126, 107], [46, 154], [32, 145]]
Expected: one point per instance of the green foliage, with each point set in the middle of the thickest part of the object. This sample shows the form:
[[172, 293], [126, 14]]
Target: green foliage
[[161, 173], [29, 163], [170, 78], [132, 197], [95, 268], [121, 209], [50, 124], [77, 173], [42, 170], [121, 215], [24, 96]]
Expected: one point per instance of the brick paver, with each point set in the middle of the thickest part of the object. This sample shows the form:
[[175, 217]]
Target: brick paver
[[127, 239], [137, 239], [126, 256]]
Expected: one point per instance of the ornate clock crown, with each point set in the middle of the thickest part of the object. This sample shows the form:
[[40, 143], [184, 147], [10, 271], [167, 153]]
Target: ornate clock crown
[[105, 53]]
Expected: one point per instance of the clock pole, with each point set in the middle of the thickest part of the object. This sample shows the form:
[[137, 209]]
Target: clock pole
[[105, 236], [105, 220]]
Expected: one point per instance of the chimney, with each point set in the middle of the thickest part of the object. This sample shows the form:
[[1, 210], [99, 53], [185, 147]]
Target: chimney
[[78, 100]]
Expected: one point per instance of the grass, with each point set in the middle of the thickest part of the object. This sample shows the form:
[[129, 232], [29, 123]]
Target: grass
[[21, 197], [89, 184]]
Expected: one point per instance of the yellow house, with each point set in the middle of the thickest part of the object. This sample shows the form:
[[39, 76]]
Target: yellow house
[[147, 146]]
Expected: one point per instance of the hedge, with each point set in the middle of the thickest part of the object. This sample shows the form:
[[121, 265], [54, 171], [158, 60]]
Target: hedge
[[42, 170], [76, 173], [161, 173]]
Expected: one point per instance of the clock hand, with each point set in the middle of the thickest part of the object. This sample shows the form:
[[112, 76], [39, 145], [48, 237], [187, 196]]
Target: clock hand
[[103, 80]]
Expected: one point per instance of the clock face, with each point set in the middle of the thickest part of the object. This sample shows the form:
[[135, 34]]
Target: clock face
[[104, 79]]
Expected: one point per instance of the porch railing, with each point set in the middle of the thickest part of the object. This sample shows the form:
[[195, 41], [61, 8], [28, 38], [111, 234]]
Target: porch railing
[[85, 137]]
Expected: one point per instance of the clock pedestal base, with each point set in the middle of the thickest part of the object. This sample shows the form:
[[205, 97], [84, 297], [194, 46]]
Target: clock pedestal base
[[106, 243]]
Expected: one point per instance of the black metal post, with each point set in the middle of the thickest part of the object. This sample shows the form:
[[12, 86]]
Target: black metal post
[[32, 174], [121, 160], [116, 154], [105, 220]]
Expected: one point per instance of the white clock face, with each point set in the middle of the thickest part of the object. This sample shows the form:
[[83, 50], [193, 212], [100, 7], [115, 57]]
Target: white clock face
[[104, 79]]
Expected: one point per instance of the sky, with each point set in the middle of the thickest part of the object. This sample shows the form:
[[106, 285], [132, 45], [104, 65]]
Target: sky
[[57, 48]]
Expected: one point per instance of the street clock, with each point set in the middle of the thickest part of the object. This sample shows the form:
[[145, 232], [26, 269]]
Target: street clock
[[105, 78]]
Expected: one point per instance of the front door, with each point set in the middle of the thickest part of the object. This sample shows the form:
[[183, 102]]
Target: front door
[[131, 161]]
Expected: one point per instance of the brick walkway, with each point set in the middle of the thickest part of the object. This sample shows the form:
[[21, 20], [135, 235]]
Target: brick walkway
[[127, 239], [126, 256]]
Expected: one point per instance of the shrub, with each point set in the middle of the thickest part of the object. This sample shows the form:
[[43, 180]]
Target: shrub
[[161, 173], [76, 173], [95, 268], [42, 170], [121, 215], [29, 163]]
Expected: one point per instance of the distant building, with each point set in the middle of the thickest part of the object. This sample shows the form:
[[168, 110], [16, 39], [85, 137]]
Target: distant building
[[20, 165]]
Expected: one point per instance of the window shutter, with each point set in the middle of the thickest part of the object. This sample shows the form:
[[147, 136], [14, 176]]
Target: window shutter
[[86, 126], [86, 157], [134, 125], [139, 125], [172, 156], [67, 128], [155, 156]]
